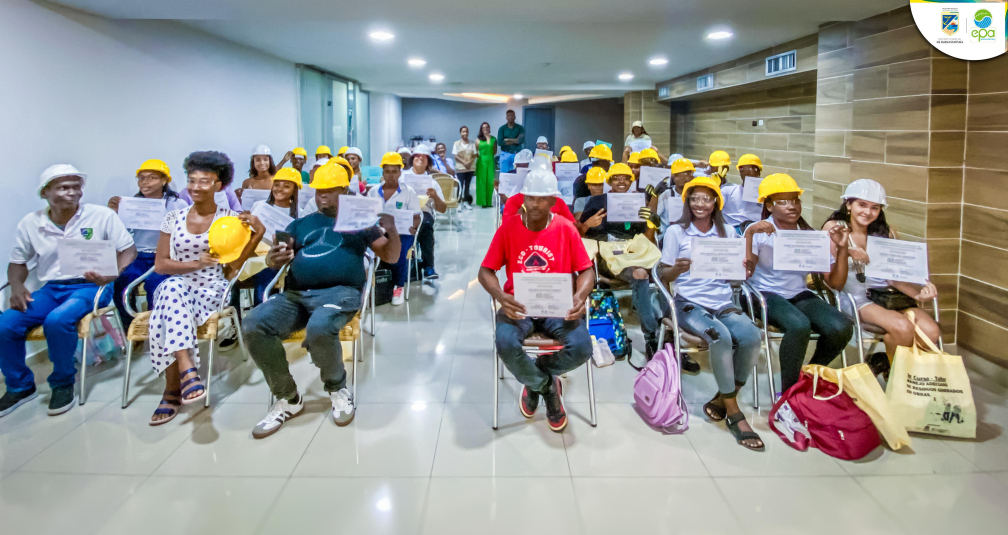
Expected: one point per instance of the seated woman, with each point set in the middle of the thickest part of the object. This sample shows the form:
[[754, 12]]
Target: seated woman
[[422, 168], [791, 306], [862, 212], [153, 178], [595, 180], [398, 196], [197, 279], [704, 307], [283, 194]]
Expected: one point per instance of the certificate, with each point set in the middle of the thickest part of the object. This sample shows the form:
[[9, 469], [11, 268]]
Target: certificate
[[674, 207], [638, 145], [420, 184], [566, 191], [305, 196], [273, 218], [220, 198], [653, 175], [357, 212], [750, 189], [567, 172], [545, 295], [403, 219], [77, 257], [717, 258], [522, 172], [141, 214], [251, 196], [510, 183], [801, 250], [624, 207], [897, 260], [547, 153]]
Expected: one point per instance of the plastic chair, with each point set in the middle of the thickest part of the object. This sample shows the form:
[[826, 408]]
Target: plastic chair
[[139, 331], [452, 189], [412, 256], [536, 345], [867, 334]]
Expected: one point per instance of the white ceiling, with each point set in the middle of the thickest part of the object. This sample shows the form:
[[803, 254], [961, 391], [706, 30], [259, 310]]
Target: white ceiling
[[535, 47]]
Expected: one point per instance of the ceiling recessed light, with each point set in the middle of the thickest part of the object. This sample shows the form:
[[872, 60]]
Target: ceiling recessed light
[[436, 77], [719, 35], [384, 505], [416, 62], [626, 76], [381, 35], [518, 96], [658, 61]]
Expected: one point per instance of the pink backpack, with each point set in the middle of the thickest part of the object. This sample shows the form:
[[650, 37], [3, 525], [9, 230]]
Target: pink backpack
[[658, 393]]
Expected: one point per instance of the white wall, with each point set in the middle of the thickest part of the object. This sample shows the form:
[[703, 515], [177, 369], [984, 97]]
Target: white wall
[[386, 124], [105, 95]]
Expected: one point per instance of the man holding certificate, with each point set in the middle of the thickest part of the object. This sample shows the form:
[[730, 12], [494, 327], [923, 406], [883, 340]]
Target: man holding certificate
[[57, 238], [400, 201], [535, 243], [791, 306]]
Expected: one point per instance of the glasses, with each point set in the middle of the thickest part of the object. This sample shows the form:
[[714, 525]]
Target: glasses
[[203, 182], [704, 199], [787, 202]]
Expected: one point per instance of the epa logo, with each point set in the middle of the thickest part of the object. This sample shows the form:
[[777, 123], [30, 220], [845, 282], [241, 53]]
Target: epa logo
[[983, 32]]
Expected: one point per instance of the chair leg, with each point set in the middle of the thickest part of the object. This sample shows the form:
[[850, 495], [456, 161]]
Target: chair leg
[[409, 275], [496, 386], [241, 342], [755, 387], [591, 392], [209, 373], [83, 373], [353, 377], [126, 378], [373, 332], [769, 364]]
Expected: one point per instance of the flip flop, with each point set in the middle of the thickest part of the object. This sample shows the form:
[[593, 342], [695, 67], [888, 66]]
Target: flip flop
[[197, 386], [171, 409], [741, 436]]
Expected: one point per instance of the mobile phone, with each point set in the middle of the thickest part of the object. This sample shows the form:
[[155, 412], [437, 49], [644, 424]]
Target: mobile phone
[[283, 237]]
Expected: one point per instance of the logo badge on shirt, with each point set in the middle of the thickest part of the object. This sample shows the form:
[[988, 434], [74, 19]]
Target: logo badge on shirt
[[536, 259], [398, 205], [88, 233]]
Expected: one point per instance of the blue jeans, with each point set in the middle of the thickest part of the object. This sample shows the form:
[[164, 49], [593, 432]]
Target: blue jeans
[[399, 268], [139, 266], [57, 307], [536, 373], [733, 340]]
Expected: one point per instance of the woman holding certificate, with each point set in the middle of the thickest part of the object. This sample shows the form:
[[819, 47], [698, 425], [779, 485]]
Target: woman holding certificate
[[704, 306], [862, 212], [261, 172], [198, 268], [791, 306]]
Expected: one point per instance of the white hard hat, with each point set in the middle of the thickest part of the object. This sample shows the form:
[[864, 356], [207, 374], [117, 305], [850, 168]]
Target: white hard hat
[[421, 149], [542, 139], [261, 150], [523, 156], [637, 123], [59, 170], [404, 150], [866, 190], [588, 145], [540, 182], [354, 150], [541, 161]]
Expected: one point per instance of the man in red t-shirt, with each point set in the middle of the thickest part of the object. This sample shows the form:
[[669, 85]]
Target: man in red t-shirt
[[536, 241]]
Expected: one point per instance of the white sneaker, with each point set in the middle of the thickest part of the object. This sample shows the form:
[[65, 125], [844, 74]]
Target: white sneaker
[[397, 296], [282, 411], [343, 409]]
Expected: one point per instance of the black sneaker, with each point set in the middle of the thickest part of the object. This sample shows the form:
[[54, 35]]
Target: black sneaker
[[229, 342], [689, 365], [528, 402], [556, 414], [430, 274], [879, 364], [13, 400], [650, 346], [62, 400]]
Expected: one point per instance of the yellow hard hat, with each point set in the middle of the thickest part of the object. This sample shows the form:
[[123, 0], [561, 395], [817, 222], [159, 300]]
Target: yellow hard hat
[[634, 158], [750, 159], [155, 165], [649, 153], [566, 147], [602, 152], [707, 182], [682, 165], [227, 238], [301, 152], [719, 158], [568, 157], [596, 175], [620, 169], [289, 174], [342, 150], [339, 160], [777, 183], [391, 158], [323, 149], [330, 176]]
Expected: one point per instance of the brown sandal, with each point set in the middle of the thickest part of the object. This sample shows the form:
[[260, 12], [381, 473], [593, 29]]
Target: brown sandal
[[715, 412]]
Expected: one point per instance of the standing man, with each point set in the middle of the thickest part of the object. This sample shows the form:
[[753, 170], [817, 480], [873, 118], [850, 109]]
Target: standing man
[[511, 137]]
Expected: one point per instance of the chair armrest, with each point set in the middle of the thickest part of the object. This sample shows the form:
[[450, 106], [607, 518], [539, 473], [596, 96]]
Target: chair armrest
[[127, 302], [750, 292], [98, 295], [276, 280], [850, 299], [369, 282], [226, 301]]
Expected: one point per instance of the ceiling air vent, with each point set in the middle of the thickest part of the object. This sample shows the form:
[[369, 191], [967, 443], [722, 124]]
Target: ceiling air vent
[[663, 91], [782, 63], [705, 82]]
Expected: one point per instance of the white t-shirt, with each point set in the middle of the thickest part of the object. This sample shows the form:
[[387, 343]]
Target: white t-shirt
[[736, 211], [36, 236], [626, 142], [765, 278], [709, 293], [464, 148], [670, 208]]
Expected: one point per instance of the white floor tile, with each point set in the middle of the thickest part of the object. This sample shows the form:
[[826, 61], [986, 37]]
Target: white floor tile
[[416, 337], [927, 455], [989, 450], [960, 503], [500, 505], [61, 503], [404, 378], [471, 379], [28, 430], [1000, 476]]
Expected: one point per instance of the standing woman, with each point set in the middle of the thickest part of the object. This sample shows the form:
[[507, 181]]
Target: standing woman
[[637, 133], [465, 153], [153, 178], [261, 170], [485, 167], [862, 212], [197, 277]]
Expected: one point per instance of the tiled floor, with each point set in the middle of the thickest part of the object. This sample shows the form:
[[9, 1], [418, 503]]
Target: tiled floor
[[421, 456]]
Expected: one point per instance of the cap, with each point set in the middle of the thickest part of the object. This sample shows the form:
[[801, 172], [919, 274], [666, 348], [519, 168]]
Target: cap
[[637, 124]]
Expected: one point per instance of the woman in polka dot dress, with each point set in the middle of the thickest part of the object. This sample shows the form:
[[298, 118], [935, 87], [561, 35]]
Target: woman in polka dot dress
[[195, 289]]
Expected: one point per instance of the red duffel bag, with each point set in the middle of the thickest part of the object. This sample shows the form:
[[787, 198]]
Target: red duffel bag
[[815, 412]]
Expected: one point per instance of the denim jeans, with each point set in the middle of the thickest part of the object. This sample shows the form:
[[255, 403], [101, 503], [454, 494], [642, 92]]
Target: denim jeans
[[798, 318], [399, 268], [536, 373], [322, 313], [733, 340], [57, 307], [139, 266]]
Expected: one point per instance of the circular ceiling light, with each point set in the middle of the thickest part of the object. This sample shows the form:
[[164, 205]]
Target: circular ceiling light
[[416, 62], [381, 35], [722, 34], [626, 76], [517, 96], [436, 77], [658, 61]]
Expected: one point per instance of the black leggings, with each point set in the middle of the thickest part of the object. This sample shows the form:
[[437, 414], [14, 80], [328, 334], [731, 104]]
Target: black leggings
[[465, 179]]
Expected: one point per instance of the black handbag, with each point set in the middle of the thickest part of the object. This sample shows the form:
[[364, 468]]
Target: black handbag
[[383, 286], [891, 299]]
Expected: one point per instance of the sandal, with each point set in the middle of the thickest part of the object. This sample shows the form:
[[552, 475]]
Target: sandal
[[715, 412], [741, 436], [167, 406], [197, 386]]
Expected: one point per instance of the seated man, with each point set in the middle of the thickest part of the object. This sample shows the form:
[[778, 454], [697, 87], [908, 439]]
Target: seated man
[[65, 297], [536, 241], [322, 293]]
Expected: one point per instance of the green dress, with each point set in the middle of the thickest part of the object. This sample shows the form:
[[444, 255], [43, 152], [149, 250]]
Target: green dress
[[485, 172]]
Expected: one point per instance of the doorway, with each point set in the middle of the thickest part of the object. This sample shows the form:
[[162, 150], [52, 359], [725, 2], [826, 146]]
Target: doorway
[[538, 121]]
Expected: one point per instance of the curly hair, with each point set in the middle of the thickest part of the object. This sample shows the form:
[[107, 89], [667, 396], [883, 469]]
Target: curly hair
[[252, 169], [211, 161]]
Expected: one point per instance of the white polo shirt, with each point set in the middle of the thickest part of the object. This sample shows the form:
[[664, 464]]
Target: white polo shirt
[[403, 199], [708, 293], [736, 211], [765, 278], [36, 236], [429, 207]]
